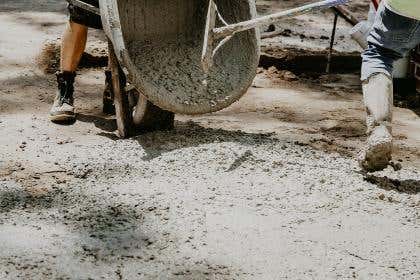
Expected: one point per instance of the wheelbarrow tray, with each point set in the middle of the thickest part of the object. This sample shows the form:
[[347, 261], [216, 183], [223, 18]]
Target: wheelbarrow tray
[[158, 44]]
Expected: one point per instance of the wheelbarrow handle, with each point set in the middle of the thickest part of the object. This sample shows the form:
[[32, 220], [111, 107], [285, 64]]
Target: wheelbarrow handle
[[223, 34], [229, 30]]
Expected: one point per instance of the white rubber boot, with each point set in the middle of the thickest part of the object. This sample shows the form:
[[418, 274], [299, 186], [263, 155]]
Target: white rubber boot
[[378, 98]]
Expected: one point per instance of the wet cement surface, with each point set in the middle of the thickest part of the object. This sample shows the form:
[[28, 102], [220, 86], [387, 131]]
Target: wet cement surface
[[200, 203]]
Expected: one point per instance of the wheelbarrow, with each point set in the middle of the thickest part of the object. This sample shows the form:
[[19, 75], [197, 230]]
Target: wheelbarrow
[[184, 56]]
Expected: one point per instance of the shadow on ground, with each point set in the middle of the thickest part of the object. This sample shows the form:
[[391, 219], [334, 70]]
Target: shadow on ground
[[13, 199], [101, 122], [404, 186], [190, 134], [106, 233], [103, 219]]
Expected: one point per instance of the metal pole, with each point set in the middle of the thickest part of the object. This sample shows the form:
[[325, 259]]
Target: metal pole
[[332, 43]]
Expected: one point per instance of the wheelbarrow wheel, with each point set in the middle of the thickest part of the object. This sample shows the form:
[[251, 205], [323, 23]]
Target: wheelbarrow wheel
[[148, 117], [134, 113]]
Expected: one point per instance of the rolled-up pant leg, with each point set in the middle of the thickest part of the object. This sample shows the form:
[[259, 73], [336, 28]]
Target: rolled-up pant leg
[[84, 17], [391, 37]]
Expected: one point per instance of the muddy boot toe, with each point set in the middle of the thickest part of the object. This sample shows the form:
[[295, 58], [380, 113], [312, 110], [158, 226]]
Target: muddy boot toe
[[378, 150]]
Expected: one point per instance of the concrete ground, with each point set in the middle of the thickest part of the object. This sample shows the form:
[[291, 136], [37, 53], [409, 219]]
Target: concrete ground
[[266, 189]]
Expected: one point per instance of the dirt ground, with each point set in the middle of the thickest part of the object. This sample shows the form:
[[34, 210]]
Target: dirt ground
[[266, 189]]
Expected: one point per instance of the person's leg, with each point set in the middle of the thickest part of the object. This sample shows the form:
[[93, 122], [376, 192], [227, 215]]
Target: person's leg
[[392, 36], [72, 47]]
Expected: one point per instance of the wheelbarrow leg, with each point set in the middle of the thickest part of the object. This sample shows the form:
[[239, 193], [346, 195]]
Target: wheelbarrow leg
[[108, 96], [122, 107]]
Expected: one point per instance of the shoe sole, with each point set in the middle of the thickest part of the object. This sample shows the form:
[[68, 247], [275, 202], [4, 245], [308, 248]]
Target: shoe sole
[[62, 118]]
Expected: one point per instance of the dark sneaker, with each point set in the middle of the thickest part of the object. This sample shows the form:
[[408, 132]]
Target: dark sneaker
[[63, 109]]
